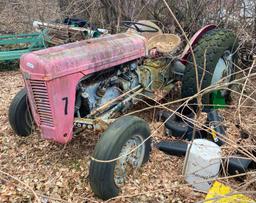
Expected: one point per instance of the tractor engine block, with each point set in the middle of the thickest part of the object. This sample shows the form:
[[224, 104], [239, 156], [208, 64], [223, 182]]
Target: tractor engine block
[[156, 75], [105, 87]]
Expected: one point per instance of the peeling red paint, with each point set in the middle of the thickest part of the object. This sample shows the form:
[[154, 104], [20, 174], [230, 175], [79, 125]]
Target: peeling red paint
[[62, 67]]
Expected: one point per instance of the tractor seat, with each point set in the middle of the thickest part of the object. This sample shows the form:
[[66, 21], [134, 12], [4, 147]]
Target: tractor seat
[[164, 43]]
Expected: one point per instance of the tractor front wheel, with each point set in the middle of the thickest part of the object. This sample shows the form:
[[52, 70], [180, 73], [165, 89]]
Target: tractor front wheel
[[123, 147], [20, 117]]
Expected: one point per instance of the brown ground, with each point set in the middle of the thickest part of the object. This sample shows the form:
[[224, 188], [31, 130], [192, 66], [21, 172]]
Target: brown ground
[[58, 173]]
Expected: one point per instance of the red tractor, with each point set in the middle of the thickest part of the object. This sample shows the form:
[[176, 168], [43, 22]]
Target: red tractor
[[89, 84]]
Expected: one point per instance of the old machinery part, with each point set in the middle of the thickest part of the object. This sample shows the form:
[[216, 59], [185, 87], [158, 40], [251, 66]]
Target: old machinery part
[[146, 35], [176, 147], [178, 69], [215, 122], [140, 27], [157, 77], [195, 39], [238, 164], [121, 97], [164, 43], [105, 88], [216, 48], [126, 139], [20, 117]]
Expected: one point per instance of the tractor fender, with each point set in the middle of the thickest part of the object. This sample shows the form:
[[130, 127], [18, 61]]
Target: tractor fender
[[194, 40]]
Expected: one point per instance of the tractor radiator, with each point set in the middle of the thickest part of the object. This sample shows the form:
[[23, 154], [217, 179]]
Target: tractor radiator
[[41, 101]]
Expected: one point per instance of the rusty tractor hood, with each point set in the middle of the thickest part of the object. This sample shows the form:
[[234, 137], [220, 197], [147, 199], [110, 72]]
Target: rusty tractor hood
[[86, 56]]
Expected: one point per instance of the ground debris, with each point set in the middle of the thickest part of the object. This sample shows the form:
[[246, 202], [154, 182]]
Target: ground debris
[[58, 173]]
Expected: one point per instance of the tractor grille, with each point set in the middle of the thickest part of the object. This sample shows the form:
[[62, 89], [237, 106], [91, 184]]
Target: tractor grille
[[41, 99]]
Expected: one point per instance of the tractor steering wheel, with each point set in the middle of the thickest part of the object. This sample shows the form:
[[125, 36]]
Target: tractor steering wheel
[[137, 26]]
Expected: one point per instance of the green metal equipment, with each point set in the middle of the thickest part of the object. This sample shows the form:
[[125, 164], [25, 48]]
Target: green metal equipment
[[13, 46], [218, 100]]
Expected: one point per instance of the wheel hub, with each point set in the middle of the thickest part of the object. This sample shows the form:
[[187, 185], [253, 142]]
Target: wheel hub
[[222, 70], [129, 159]]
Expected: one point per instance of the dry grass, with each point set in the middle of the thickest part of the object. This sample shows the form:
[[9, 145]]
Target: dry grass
[[60, 173]]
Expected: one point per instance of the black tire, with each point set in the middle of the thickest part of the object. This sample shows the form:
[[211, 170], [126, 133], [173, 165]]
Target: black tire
[[214, 43], [20, 117], [101, 175]]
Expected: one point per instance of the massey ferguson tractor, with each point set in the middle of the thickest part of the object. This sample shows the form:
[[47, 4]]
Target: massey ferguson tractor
[[87, 85]]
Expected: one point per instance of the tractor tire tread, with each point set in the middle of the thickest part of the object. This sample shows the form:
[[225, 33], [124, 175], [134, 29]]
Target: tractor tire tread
[[218, 41], [109, 147], [16, 114]]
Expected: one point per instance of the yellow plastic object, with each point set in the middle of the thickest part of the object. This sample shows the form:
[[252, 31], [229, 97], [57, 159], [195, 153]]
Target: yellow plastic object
[[220, 193], [164, 43]]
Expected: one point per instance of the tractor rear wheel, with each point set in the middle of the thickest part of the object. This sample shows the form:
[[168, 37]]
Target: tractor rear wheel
[[20, 117], [215, 57], [127, 140]]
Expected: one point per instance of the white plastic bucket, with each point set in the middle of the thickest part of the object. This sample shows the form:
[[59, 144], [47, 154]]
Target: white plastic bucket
[[203, 163]]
